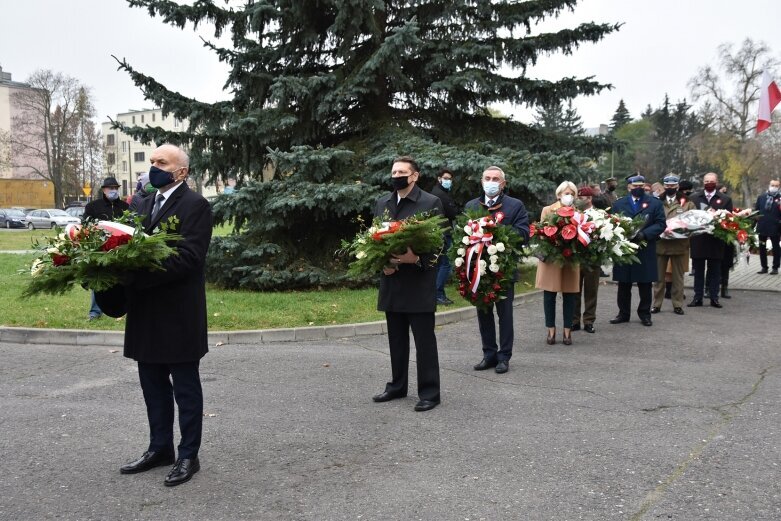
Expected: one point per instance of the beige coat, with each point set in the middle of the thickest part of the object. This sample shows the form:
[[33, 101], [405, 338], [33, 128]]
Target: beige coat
[[553, 277]]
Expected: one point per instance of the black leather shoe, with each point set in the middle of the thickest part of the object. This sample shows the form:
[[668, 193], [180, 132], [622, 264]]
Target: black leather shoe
[[715, 304], [575, 327], [148, 460], [426, 405], [763, 270], [385, 396], [502, 367], [678, 311], [485, 364], [589, 328], [646, 322], [694, 303], [182, 471], [774, 271], [655, 310], [619, 320]]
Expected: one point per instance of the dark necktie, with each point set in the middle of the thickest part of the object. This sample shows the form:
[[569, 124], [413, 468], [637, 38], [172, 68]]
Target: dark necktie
[[490, 203], [158, 203]]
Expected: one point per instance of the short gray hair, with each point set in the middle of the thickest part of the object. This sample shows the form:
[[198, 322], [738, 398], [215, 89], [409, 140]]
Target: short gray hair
[[497, 169]]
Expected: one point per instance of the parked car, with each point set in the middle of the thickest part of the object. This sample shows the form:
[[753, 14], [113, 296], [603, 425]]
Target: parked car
[[49, 218], [75, 211], [12, 218]]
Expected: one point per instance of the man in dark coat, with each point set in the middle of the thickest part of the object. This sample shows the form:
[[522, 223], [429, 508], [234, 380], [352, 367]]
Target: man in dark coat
[[769, 225], [515, 215], [165, 331], [705, 248], [639, 204], [106, 208], [442, 190], [145, 191], [408, 293]]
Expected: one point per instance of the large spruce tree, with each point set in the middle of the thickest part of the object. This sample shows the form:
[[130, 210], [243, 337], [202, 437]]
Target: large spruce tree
[[327, 92]]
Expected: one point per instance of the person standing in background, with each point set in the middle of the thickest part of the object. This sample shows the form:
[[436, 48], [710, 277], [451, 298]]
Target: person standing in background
[[442, 190]]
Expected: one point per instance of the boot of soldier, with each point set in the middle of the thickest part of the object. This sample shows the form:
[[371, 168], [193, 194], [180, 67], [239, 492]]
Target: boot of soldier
[[725, 292], [668, 287]]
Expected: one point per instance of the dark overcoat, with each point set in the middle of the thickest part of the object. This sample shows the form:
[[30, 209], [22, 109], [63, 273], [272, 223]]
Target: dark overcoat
[[412, 289], [652, 212], [705, 245], [166, 310], [769, 208], [103, 209]]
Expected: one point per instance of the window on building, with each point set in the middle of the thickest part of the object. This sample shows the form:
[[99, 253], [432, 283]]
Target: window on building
[[134, 120], [142, 118], [110, 140], [124, 187], [153, 116], [124, 166], [124, 146], [177, 122], [111, 158], [138, 156]]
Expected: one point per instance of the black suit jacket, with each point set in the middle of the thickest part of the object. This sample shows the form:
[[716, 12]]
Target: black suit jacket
[[166, 310], [411, 289], [706, 246], [769, 222]]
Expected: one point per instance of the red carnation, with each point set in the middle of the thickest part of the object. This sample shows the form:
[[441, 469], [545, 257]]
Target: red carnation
[[565, 211], [566, 252], [115, 241], [59, 260], [569, 232]]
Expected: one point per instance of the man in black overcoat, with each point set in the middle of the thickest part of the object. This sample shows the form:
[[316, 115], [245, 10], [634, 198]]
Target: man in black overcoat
[[769, 225], [165, 330], [408, 292], [705, 249]]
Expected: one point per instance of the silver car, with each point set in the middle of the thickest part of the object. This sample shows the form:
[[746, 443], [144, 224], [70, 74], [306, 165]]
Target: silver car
[[49, 218]]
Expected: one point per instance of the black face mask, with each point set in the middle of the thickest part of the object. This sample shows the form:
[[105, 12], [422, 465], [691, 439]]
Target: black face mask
[[637, 192], [611, 188], [160, 178], [400, 183], [670, 191]]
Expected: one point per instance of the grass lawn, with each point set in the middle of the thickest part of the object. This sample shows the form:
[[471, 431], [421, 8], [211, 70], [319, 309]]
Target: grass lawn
[[228, 310]]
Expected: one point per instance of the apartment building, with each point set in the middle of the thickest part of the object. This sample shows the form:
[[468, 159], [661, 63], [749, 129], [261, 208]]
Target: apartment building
[[8, 110]]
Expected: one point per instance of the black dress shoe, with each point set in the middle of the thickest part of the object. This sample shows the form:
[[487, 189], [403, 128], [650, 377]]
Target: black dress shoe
[[715, 304], [774, 271], [502, 367], [426, 405], [182, 471], [386, 396], [589, 328], [646, 322], [575, 327], [655, 310], [763, 270], [619, 320], [148, 460], [694, 303], [678, 311], [485, 364]]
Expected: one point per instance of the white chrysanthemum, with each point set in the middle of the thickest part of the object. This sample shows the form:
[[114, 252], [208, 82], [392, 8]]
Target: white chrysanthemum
[[461, 252], [360, 254], [494, 259], [482, 271], [459, 262], [492, 249], [483, 264], [494, 268], [465, 240], [500, 247]]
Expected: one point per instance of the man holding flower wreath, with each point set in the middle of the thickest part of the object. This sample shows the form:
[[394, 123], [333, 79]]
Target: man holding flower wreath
[[494, 200]]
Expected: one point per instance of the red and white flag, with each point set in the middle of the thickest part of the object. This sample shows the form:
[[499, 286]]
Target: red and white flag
[[769, 97]]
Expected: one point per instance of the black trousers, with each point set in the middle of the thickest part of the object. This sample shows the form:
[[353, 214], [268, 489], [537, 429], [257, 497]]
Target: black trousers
[[422, 325], [485, 321], [712, 277], [625, 299], [774, 243], [161, 384]]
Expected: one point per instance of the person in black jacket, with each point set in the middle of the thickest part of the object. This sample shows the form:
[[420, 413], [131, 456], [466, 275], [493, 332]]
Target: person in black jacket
[[408, 293], [106, 208], [769, 225], [165, 330], [146, 189], [442, 190]]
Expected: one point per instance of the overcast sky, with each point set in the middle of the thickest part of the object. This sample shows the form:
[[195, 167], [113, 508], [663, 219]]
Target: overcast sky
[[660, 47]]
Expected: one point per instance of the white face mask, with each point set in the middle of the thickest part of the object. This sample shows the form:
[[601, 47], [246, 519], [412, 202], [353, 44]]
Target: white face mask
[[772, 190], [491, 188], [567, 199]]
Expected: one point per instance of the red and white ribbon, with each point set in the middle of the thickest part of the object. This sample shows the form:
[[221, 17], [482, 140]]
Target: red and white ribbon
[[584, 227]]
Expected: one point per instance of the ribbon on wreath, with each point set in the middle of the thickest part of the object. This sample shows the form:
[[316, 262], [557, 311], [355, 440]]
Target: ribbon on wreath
[[583, 226], [391, 227], [478, 242]]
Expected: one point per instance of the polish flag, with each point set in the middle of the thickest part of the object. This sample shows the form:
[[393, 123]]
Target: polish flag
[[769, 97]]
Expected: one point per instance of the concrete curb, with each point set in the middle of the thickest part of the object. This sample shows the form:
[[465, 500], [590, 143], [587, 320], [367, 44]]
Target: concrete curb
[[23, 335]]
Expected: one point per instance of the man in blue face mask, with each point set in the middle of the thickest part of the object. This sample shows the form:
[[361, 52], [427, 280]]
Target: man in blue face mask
[[106, 208], [442, 190]]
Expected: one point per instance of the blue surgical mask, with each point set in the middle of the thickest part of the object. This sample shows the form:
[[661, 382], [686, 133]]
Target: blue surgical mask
[[112, 195], [160, 178], [447, 183], [491, 188]]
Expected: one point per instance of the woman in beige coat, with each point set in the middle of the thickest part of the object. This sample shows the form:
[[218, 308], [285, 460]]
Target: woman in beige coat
[[553, 278]]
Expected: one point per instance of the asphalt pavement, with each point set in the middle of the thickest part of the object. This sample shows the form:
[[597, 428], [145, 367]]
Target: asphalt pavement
[[676, 421]]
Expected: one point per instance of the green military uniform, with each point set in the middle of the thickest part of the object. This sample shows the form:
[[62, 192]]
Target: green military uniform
[[674, 251], [589, 285]]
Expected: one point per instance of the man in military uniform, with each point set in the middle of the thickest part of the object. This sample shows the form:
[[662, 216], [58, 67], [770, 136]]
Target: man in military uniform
[[705, 248], [609, 195], [672, 251], [589, 277]]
